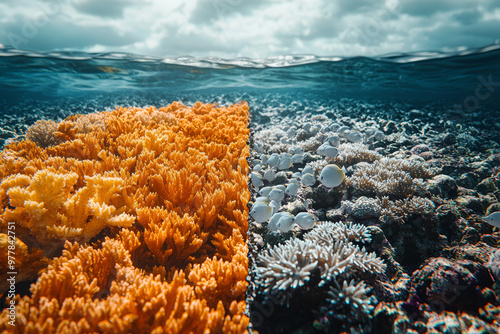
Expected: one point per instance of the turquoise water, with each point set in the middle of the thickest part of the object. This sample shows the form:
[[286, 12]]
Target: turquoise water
[[455, 95], [458, 85], [417, 77]]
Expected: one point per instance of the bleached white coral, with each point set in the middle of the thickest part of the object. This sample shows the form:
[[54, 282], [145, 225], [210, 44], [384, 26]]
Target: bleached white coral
[[272, 139], [326, 233], [350, 154], [43, 133], [288, 266], [346, 258], [390, 177], [401, 209]]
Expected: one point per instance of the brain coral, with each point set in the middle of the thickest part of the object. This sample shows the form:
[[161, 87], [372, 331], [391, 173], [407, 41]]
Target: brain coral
[[148, 208]]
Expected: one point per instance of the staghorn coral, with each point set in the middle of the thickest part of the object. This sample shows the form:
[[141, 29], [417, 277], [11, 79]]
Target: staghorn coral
[[350, 154], [326, 232], [286, 267], [400, 210], [176, 177], [395, 178]]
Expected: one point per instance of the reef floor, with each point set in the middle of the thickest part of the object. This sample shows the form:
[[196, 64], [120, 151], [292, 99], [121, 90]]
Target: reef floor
[[414, 191], [390, 240]]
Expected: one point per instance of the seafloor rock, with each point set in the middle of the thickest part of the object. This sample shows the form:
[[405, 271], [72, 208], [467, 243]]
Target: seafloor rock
[[449, 139], [443, 185], [453, 285], [479, 252], [468, 180], [366, 207], [420, 148], [326, 198], [414, 238], [391, 318], [471, 202], [445, 322], [450, 223], [487, 185]]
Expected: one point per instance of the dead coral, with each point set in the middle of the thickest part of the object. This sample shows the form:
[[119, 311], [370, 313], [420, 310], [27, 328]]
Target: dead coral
[[389, 177], [284, 268], [400, 210], [326, 233], [43, 133], [350, 154]]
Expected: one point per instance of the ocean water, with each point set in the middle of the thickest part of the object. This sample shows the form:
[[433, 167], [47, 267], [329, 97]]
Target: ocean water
[[455, 95], [55, 84]]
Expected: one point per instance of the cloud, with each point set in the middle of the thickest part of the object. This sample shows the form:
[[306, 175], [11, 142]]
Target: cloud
[[208, 11], [232, 28], [108, 8], [45, 33], [426, 7], [468, 17]]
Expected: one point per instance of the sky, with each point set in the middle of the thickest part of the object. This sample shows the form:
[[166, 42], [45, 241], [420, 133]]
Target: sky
[[246, 28]]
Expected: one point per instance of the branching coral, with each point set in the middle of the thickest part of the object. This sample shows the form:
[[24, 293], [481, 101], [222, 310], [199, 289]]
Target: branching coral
[[42, 133], [287, 266], [176, 178], [326, 233], [349, 306], [353, 297], [89, 290], [21, 260], [389, 177], [350, 154], [50, 208], [290, 265], [400, 209]]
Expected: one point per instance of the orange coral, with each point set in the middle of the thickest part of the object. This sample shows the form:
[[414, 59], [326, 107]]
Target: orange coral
[[155, 203]]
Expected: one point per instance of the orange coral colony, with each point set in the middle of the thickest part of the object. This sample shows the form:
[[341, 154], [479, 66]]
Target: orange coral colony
[[130, 221]]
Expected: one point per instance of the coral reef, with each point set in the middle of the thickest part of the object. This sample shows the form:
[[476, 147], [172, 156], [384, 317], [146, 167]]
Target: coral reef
[[326, 258], [350, 154], [42, 133], [395, 178], [411, 197], [149, 209]]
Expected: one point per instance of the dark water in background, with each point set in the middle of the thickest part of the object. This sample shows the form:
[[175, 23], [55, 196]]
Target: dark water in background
[[56, 84]]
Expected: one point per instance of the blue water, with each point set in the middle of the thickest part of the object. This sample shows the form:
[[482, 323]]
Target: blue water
[[37, 85]]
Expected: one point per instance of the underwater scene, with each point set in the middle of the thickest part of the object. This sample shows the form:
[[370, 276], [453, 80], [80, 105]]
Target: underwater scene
[[289, 194]]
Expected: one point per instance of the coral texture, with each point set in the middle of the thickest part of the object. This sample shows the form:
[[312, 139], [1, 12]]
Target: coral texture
[[149, 209], [327, 247], [395, 178]]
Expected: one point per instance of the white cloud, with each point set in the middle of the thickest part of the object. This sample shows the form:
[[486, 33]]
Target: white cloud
[[231, 28]]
